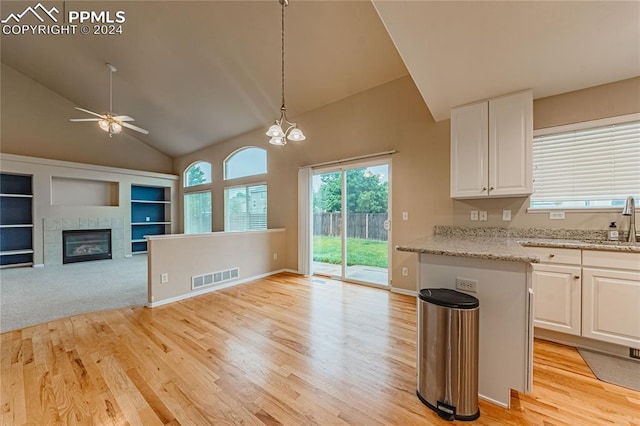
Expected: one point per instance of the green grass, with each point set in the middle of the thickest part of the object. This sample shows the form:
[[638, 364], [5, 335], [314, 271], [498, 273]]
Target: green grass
[[360, 252]]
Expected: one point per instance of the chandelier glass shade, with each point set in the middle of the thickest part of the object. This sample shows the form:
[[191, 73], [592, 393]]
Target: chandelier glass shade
[[110, 125], [283, 129]]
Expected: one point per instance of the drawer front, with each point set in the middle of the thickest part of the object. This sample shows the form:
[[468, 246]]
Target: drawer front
[[556, 255], [611, 260]]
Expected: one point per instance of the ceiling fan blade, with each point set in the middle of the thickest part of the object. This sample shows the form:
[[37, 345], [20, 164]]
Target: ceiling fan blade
[[123, 118], [84, 119], [136, 128], [90, 112]]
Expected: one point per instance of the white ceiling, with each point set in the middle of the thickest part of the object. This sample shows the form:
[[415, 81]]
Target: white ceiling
[[460, 52], [196, 73], [199, 72]]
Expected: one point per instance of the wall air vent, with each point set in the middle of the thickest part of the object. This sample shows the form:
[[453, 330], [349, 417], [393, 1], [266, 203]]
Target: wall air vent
[[214, 278]]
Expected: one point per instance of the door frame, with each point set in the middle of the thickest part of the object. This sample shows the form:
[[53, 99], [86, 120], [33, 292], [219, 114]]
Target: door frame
[[342, 168]]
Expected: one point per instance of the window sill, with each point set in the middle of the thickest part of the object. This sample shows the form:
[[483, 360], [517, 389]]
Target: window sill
[[577, 210]]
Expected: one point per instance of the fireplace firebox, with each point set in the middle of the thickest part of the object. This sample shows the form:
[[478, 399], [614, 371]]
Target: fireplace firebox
[[86, 244]]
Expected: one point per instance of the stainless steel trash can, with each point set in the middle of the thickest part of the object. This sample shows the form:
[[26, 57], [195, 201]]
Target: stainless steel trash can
[[447, 363]]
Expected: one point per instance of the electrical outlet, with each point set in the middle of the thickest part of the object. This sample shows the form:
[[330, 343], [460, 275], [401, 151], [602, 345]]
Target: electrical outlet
[[405, 271], [466, 284], [474, 215], [275, 256], [405, 215], [556, 215], [483, 215], [506, 215], [164, 278]]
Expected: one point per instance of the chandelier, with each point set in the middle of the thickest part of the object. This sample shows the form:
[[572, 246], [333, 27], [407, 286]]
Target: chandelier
[[277, 131]]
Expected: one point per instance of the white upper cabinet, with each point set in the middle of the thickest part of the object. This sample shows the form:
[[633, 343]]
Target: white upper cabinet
[[491, 147]]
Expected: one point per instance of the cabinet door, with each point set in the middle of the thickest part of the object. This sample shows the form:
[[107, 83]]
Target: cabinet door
[[469, 151], [510, 145], [611, 306], [557, 298]]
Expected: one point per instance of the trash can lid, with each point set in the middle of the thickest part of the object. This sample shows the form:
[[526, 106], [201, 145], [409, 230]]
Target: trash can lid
[[448, 298]]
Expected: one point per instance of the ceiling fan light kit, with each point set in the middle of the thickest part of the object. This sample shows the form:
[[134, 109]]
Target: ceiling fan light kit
[[278, 135], [110, 122]]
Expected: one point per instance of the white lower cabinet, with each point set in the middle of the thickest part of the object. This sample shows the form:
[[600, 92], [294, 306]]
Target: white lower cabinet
[[588, 293], [557, 292], [611, 305]]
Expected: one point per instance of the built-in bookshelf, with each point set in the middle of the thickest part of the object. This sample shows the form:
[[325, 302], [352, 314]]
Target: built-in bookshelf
[[16, 220], [150, 214]]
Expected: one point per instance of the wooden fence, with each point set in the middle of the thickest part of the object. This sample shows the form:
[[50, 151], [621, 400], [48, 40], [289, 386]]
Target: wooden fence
[[367, 226]]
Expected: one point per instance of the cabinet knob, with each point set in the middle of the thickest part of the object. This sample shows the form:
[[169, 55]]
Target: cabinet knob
[[491, 188], [484, 188], [552, 255], [577, 277]]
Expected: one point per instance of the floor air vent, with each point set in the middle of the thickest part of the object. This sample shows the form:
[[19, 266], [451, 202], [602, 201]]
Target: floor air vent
[[214, 278]]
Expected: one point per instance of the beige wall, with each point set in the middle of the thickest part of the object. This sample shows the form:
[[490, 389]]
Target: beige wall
[[604, 101], [35, 122], [389, 117], [394, 116], [183, 256]]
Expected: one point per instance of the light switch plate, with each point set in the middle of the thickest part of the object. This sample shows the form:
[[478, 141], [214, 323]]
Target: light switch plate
[[556, 215], [405, 215], [474, 215], [506, 215], [483, 215]]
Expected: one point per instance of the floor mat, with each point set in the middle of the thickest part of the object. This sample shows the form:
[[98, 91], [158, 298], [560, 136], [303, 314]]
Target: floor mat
[[612, 369]]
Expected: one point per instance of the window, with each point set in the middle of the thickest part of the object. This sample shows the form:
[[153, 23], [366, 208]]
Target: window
[[197, 212], [590, 165], [197, 203], [245, 208], [198, 173], [249, 161]]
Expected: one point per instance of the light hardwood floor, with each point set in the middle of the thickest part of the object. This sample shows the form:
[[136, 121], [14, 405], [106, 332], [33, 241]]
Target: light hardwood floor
[[283, 350]]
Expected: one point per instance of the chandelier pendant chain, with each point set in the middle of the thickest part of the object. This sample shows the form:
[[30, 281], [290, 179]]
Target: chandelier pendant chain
[[283, 129], [283, 2]]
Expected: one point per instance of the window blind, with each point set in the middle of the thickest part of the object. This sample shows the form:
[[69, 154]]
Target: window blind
[[590, 167], [245, 208]]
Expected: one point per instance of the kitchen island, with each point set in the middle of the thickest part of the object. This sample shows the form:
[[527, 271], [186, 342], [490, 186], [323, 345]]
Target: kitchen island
[[498, 263]]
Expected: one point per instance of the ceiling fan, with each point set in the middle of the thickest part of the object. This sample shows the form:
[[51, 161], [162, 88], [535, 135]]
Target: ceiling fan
[[110, 122]]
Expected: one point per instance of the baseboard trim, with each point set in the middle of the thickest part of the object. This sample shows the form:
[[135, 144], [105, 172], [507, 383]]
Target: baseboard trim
[[212, 289], [494, 401], [404, 291], [581, 342]]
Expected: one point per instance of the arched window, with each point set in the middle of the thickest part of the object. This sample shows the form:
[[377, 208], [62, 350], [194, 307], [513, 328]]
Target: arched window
[[198, 173], [197, 201], [248, 161]]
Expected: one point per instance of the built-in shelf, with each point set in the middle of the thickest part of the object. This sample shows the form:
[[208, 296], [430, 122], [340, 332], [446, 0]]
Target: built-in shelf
[[16, 195], [16, 220], [150, 214], [13, 252]]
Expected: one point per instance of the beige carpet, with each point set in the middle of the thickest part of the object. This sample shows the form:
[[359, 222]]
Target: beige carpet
[[30, 296], [612, 369]]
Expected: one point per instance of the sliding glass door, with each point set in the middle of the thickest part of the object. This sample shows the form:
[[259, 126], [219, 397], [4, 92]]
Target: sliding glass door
[[351, 223]]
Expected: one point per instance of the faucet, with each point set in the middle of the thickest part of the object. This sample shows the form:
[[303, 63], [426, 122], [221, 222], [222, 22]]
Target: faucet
[[630, 210]]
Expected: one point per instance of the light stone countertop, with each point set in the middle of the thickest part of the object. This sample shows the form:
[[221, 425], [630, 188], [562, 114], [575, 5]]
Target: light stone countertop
[[508, 244]]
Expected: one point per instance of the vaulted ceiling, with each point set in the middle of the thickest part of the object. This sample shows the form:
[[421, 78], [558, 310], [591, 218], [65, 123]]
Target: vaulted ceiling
[[197, 73]]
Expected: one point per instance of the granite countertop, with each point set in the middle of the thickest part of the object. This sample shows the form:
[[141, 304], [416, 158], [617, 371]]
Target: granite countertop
[[509, 244]]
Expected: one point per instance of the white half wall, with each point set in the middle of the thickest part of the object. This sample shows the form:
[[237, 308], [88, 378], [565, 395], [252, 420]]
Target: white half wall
[[180, 257]]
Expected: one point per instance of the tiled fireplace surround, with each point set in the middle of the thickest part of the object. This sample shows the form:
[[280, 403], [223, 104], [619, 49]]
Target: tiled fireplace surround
[[53, 235]]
